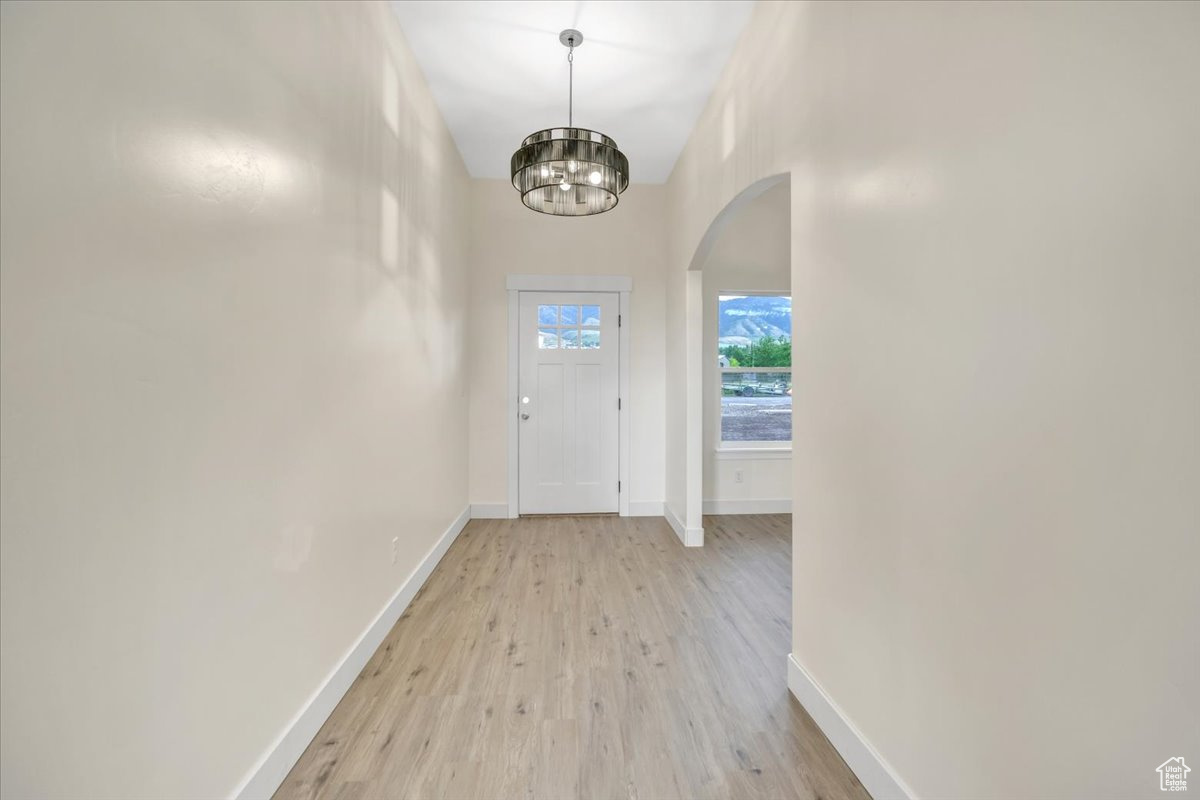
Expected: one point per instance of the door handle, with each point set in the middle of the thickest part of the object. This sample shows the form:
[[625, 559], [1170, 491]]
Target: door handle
[[524, 416]]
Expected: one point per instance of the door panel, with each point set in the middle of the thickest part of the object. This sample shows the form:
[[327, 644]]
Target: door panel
[[550, 398], [567, 448], [589, 387]]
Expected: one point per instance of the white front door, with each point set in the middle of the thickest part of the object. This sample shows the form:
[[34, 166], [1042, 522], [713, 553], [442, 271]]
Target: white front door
[[567, 403]]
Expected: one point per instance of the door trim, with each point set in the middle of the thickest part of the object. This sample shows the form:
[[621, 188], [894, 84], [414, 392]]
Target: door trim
[[618, 284]]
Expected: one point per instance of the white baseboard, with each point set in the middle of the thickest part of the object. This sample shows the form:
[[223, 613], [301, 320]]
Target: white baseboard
[[646, 508], [783, 506], [873, 772], [273, 767], [500, 510], [691, 537], [489, 511]]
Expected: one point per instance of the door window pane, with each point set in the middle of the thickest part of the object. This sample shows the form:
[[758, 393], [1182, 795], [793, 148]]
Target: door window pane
[[569, 327]]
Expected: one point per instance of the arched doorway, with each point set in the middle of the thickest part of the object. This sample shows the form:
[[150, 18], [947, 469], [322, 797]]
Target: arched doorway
[[695, 350]]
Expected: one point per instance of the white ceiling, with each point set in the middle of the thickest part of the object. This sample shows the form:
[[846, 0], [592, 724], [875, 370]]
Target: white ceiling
[[642, 75]]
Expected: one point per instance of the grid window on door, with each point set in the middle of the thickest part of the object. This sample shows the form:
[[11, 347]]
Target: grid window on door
[[568, 327]]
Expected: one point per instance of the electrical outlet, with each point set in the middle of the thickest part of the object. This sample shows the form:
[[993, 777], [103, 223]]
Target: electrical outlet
[[737, 476], [395, 548]]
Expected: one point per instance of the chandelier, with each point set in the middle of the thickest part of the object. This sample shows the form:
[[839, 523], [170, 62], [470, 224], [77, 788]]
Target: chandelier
[[569, 172]]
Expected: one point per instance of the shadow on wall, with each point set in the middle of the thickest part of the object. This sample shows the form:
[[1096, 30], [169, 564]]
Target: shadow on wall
[[411, 218]]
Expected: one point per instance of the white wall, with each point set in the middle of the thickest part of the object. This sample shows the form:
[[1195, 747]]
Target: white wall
[[674, 435], [994, 266], [752, 253], [509, 239], [233, 331]]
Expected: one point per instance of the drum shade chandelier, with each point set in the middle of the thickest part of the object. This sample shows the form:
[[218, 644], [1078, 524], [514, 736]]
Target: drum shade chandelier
[[569, 172]]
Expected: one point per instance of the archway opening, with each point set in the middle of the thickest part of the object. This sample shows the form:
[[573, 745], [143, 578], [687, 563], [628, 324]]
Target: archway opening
[[746, 373], [738, 340]]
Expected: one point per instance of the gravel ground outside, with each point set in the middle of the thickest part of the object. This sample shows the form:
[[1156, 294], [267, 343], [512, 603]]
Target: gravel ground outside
[[756, 419]]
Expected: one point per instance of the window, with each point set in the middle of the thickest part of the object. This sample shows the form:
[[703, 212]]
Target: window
[[754, 345], [568, 327]]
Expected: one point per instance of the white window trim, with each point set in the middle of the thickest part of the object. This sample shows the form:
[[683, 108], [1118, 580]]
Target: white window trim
[[569, 283], [736, 448], [761, 453], [619, 284]]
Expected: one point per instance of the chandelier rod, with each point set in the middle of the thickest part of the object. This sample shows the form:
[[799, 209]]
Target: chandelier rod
[[571, 83]]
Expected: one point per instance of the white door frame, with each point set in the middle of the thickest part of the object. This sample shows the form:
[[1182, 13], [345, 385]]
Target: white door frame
[[619, 284]]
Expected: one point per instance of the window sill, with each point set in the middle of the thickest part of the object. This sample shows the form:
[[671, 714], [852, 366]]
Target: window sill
[[745, 453]]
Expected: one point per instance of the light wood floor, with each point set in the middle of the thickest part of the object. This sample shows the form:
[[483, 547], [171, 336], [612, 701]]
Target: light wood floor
[[589, 657]]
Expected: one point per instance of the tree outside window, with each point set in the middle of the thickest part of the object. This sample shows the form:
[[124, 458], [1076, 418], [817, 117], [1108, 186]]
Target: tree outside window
[[755, 347]]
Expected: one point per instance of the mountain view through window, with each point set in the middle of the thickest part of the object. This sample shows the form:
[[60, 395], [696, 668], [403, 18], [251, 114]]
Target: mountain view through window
[[754, 345]]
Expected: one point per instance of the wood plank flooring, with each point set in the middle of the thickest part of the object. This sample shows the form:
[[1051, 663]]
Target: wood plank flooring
[[585, 657]]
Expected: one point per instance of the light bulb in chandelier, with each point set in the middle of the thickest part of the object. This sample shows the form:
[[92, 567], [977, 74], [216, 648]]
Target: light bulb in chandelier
[[538, 166]]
